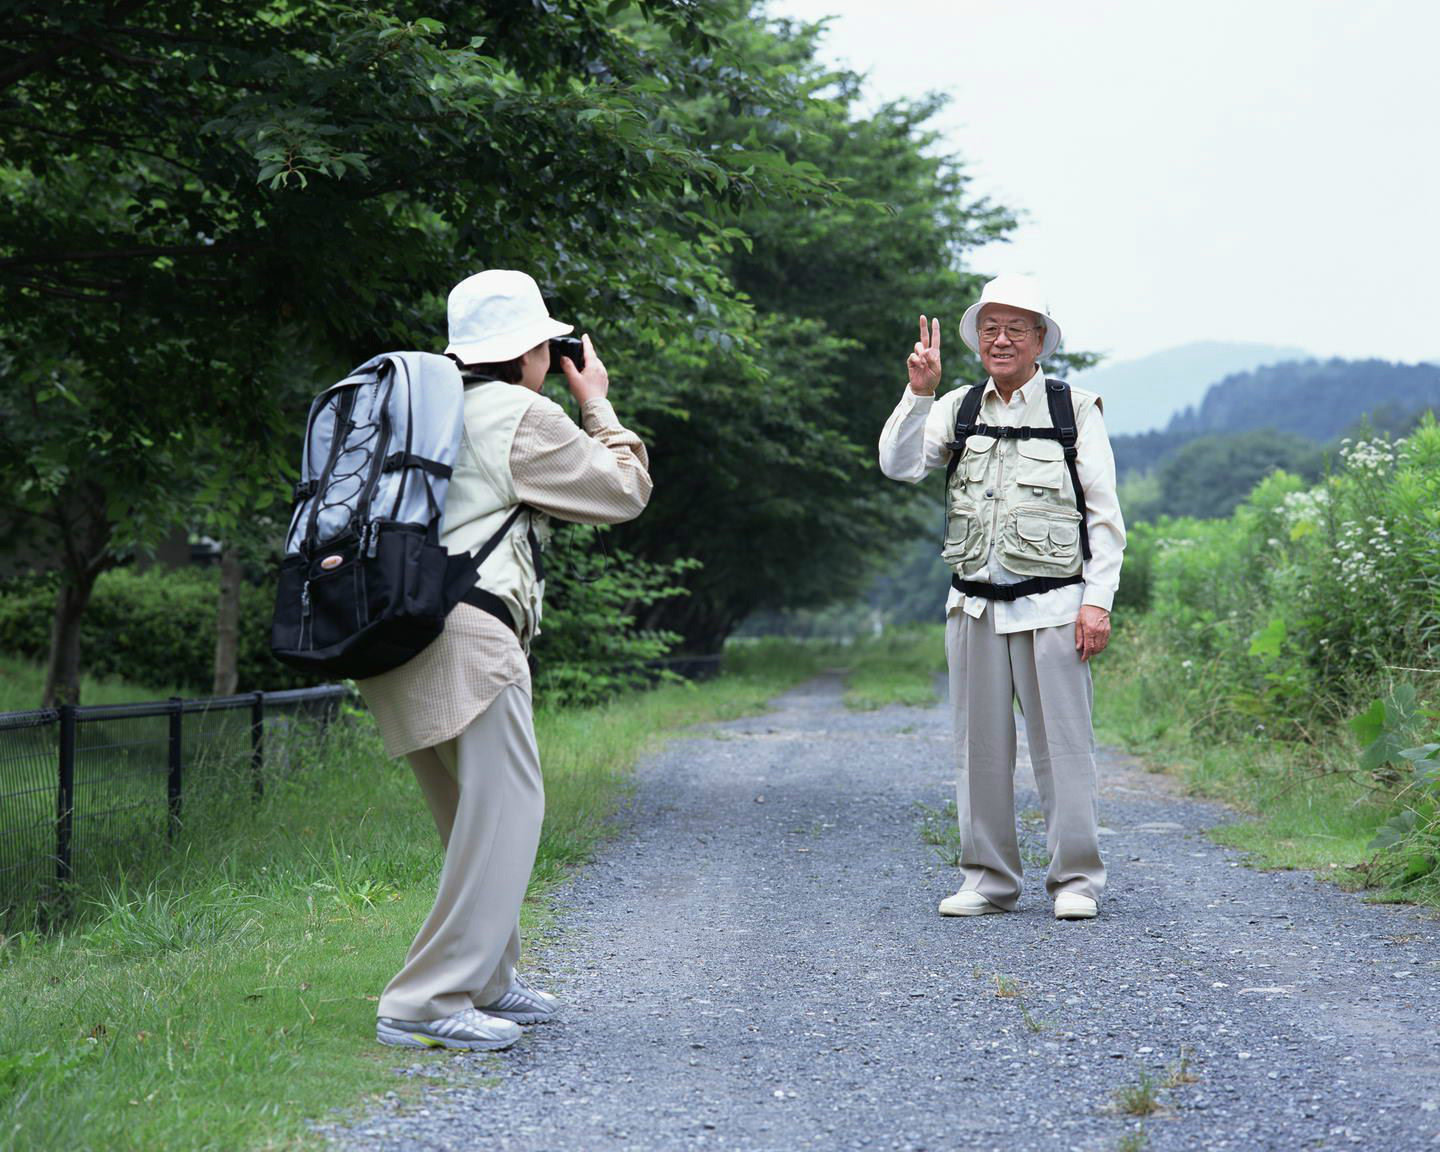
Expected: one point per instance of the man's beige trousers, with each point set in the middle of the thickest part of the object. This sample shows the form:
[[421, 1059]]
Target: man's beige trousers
[[1041, 668], [485, 792]]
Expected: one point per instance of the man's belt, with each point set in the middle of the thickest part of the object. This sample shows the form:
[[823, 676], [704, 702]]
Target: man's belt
[[1036, 584]]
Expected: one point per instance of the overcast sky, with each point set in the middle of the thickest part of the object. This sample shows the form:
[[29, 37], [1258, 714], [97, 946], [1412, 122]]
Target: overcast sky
[[1263, 171]]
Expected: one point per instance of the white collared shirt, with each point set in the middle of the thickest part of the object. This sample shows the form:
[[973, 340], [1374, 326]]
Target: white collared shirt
[[915, 442]]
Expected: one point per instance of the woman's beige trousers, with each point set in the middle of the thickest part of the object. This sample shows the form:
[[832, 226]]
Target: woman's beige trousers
[[485, 792]]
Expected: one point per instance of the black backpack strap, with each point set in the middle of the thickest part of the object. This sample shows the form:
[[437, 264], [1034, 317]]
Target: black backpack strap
[[397, 460], [965, 426], [489, 602], [467, 573], [1062, 416]]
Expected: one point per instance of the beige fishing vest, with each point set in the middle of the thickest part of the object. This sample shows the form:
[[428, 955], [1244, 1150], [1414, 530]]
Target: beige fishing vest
[[482, 495], [1015, 496]]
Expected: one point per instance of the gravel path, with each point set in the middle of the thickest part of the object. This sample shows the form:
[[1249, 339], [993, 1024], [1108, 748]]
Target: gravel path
[[757, 964]]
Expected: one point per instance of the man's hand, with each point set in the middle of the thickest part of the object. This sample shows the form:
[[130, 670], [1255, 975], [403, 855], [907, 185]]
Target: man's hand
[[924, 362], [1092, 631], [590, 383]]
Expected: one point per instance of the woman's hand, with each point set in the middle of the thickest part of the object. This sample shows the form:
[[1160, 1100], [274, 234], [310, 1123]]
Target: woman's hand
[[924, 362], [590, 383]]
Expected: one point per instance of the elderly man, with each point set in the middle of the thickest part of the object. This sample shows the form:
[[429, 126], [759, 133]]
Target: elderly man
[[1034, 537]]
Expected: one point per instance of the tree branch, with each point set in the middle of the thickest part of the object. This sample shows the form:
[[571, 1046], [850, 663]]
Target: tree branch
[[129, 253], [69, 293], [116, 141], [38, 61]]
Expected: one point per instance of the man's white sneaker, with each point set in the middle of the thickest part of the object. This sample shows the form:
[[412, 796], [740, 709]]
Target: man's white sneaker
[[524, 1004], [469, 1029], [967, 902], [1073, 906]]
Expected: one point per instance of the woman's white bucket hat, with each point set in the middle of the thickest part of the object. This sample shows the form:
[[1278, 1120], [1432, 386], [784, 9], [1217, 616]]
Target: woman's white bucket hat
[[1018, 292], [497, 315]]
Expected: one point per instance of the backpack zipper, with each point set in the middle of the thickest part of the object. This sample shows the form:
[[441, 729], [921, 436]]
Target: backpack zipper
[[370, 530]]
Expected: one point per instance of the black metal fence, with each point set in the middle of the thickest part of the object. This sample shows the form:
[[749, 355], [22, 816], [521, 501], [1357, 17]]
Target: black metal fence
[[79, 783]]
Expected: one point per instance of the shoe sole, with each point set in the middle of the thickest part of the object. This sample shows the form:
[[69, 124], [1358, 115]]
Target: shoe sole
[[972, 911], [396, 1038], [1088, 914], [523, 1017]]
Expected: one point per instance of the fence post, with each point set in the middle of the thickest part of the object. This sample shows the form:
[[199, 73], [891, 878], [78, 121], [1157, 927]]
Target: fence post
[[176, 744], [65, 804], [257, 743]]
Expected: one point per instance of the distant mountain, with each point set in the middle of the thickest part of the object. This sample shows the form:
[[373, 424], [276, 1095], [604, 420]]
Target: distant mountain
[[1316, 399], [1313, 399], [1143, 394]]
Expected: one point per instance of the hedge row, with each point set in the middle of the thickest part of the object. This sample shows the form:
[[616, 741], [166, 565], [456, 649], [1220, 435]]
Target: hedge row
[[151, 627]]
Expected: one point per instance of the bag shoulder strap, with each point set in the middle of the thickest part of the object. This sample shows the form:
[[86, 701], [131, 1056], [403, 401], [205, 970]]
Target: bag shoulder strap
[[1062, 418], [466, 575], [966, 413]]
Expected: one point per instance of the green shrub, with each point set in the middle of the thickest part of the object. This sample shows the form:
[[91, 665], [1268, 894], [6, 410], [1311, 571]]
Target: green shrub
[[1137, 573], [1302, 603], [158, 626], [590, 647], [1407, 848], [1283, 621], [150, 627]]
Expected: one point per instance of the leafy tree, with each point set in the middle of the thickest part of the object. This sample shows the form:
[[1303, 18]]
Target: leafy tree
[[208, 208], [793, 512], [1210, 476]]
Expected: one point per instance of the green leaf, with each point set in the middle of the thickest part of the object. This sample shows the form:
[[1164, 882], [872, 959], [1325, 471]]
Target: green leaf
[[1369, 724], [1269, 641], [1393, 832]]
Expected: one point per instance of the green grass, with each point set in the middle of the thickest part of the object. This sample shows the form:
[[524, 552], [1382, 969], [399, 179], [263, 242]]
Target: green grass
[[900, 667], [1141, 1098], [1309, 811], [231, 997], [938, 828], [22, 684]]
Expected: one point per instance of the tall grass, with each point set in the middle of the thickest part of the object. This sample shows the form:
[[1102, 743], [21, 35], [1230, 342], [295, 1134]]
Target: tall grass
[[1308, 809], [902, 667]]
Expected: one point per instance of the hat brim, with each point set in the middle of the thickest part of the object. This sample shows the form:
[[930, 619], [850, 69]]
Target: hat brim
[[509, 345], [970, 322]]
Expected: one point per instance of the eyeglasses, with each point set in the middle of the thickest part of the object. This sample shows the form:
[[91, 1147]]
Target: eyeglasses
[[1016, 331]]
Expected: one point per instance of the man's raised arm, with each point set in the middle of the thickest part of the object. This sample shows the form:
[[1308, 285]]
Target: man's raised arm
[[914, 439]]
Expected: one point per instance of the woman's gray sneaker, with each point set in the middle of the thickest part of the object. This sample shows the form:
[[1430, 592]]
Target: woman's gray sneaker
[[524, 1004], [469, 1029]]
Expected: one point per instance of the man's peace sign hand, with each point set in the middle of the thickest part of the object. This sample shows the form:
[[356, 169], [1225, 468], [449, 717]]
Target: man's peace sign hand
[[924, 362]]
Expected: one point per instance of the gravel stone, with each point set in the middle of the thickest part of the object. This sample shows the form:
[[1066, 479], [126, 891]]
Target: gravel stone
[[756, 963]]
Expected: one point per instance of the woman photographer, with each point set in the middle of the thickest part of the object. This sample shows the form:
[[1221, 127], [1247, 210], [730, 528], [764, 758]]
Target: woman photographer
[[461, 709]]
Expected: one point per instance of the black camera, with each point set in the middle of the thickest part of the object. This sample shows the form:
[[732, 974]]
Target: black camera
[[569, 347]]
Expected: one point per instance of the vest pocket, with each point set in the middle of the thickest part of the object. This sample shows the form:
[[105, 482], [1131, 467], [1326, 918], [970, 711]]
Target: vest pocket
[[1041, 540], [963, 537], [976, 459], [1041, 464]]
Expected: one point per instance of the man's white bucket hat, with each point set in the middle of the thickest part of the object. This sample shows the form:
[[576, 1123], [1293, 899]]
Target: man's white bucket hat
[[1018, 292], [497, 315]]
